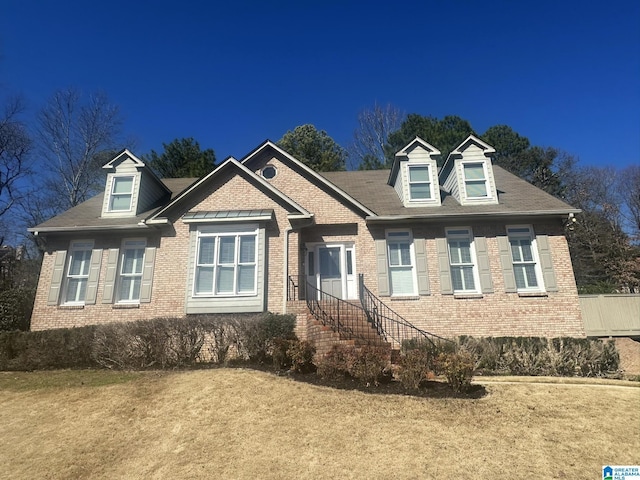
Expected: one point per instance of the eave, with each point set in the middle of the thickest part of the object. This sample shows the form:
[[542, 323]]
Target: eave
[[438, 217]]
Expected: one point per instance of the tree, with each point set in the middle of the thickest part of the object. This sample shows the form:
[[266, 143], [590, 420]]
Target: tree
[[629, 188], [76, 136], [445, 134], [314, 147], [367, 151], [15, 146], [182, 158], [603, 257]]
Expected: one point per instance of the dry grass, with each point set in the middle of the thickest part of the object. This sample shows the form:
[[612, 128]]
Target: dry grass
[[246, 424]]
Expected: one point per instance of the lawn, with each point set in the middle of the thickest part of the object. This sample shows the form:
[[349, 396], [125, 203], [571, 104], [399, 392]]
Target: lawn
[[235, 423]]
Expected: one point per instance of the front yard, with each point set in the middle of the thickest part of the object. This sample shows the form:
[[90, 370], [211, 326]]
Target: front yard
[[236, 423]]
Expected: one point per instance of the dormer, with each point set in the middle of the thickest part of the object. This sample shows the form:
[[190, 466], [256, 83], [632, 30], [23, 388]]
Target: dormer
[[468, 173], [131, 188], [414, 175]]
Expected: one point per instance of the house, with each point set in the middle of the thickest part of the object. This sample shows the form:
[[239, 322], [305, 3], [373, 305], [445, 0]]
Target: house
[[462, 249]]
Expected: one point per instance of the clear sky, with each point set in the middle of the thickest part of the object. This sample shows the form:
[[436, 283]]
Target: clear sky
[[232, 74]]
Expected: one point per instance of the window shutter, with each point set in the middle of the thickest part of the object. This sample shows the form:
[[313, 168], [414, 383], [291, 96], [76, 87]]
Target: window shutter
[[506, 261], [110, 277], [147, 274], [57, 277], [421, 266], [484, 270], [444, 270], [94, 275], [546, 263], [381, 262]]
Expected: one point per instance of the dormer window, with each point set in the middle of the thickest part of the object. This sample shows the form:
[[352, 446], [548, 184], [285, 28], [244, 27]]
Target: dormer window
[[121, 194], [419, 183], [475, 180]]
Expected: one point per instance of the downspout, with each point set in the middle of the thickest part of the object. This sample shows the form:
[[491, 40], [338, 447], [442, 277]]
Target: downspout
[[287, 231]]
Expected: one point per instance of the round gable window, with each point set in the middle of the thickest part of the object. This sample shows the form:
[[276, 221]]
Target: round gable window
[[269, 172]]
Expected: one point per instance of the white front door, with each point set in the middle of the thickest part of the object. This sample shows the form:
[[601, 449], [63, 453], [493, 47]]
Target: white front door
[[331, 269]]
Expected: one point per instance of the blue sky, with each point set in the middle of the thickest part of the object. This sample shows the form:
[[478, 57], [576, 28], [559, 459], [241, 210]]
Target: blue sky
[[564, 74]]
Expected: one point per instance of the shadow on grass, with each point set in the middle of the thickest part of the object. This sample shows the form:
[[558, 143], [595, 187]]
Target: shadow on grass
[[386, 386]]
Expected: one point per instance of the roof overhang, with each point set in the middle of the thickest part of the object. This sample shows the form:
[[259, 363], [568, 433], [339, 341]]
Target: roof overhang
[[439, 217], [81, 228], [228, 216]]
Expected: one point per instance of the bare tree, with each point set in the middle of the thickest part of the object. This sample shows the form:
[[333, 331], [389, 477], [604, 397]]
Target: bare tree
[[15, 146], [629, 188], [75, 137], [370, 138]]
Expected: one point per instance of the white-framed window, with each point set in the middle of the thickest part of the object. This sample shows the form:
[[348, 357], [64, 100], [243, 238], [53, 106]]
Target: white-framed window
[[401, 264], [77, 277], [462, 261], [475, 179], [121, 194], [130, 272], [526, 267], [419, 182], [226, 264]]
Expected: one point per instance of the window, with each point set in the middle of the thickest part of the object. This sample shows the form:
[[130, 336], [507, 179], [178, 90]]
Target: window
[[419, 182], [131, 264], [475, 180], [461, 260], [226, 264], [78, 272], [525, 267], [269, 172], [400, 255], [121, 194]]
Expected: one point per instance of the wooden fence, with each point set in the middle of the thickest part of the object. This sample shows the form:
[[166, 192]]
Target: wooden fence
[[611, 315]]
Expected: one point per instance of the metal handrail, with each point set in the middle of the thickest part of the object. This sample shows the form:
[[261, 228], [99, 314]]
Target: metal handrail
[[346, 318], [391, 325]]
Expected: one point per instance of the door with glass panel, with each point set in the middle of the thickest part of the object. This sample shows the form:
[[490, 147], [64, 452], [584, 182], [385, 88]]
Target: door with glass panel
[[331, 269]]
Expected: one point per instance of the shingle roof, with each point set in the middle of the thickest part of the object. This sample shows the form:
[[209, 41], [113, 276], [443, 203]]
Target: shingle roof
[[516, 196], [87, 214]]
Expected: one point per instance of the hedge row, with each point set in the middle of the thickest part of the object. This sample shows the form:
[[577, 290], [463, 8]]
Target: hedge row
[[157, 343]]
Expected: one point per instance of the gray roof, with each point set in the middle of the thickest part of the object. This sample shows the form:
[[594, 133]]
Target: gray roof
[[86, 216], [515, 197]]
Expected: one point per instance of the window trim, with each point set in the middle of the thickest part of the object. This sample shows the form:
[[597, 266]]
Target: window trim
[[428, 182], [237, 234], [530, 235], [121, 275], [456, 233], [74, 247], [412, 264], [485, 180], [113, 195]]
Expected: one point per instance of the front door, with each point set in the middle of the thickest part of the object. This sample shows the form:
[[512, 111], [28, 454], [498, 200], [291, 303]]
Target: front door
[[331, 268]]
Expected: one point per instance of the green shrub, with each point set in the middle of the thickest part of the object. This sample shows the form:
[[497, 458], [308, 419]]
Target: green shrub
[[458, 368], [255, 334], [415, 366], [16, 305]]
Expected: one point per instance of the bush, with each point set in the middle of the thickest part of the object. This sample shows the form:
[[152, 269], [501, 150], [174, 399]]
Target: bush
[[336, 363], [458, 368], [47, 349], [301, 353], [16, 305], [415, 366], [255, 335], [370, 364]]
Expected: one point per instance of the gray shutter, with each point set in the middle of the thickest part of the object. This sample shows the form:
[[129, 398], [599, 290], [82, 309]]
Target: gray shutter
[[110, 276], [421, 266], [444, 269], [506, 261], [57, 277], [546, 263], [94, 275], [383, 273], [147, 274], [484, 269]]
